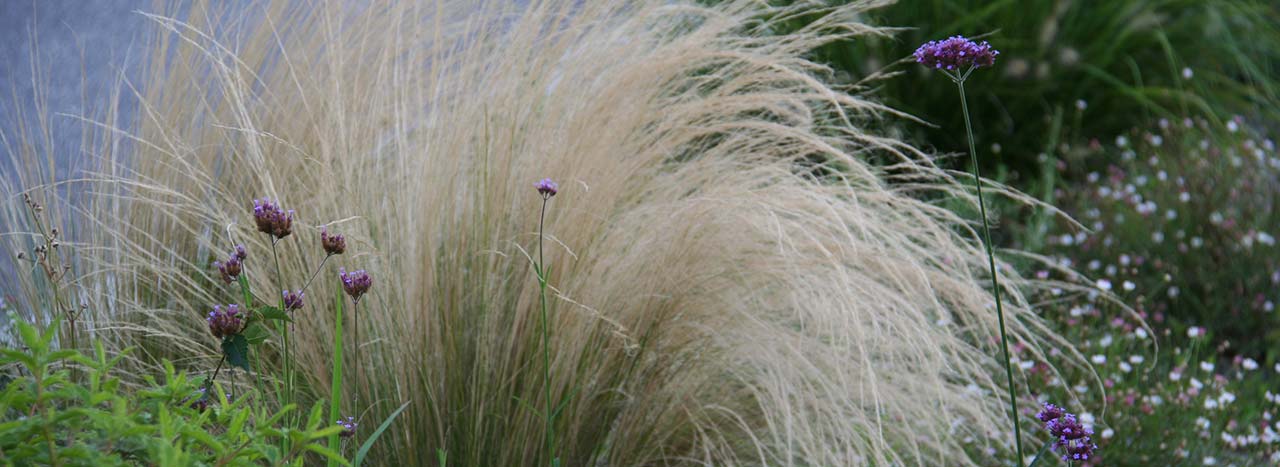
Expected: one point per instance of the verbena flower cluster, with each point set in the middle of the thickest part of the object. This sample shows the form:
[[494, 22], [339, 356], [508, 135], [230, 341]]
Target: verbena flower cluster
[[230, 269], [225, 322], [332, 244], [956, 52], [356, 283], [547, 188], [348, 427], [1071, 437], [272, 219], [293, 300]]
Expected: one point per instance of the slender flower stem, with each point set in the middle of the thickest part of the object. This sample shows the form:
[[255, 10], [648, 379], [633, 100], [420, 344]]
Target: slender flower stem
[[991, 263], [316, 273], [284, 330], [355, 335], [546, 336]]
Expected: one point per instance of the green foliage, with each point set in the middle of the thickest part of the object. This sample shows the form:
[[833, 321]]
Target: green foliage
[[49, 417], [1123, 60], [1184, 223]]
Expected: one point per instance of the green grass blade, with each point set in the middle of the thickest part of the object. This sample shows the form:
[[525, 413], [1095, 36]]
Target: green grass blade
[[368, 443]]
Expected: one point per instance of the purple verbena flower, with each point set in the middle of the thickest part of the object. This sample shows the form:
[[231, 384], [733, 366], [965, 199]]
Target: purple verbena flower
[[547, 188], [272, 219], [332, 244], [348, 427], [225, 322], [202, 400], [356, 283], [230, 269], [1049, 412], [955, 53], [1073, 438], [293, 300]]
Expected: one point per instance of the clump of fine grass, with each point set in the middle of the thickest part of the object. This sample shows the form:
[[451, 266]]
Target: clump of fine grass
[[715, 298]]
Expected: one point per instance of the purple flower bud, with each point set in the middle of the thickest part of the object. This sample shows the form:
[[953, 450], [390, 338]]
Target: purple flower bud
[[293, 300], [547, 188], [225, 322], [348, 427], [272, 219], [956, 52], [332, 244], [1049, 412], [230, 269], [356, 283]]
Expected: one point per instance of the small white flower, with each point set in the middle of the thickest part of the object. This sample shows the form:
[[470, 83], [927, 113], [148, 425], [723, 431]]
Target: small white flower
[[1206, 366], [1125, 367], [1156, 140], [1108, 433], [1173, 291], [1121, 141], [1249, 364], [1210, 461], [1129, 286], [1202, 422], [1104, 284], [1026, 365], [1197, 331], [1136, 359], [1195, 383], [1106, 341], [1099, 359], [1186, 73], [1081, 104], [1174, 376], [1232, 126], [1140, 333], [1210, 404], [1184, 197], [1226, 398]]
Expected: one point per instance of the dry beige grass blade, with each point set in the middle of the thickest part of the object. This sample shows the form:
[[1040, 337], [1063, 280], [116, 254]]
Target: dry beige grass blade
[[719, 299]]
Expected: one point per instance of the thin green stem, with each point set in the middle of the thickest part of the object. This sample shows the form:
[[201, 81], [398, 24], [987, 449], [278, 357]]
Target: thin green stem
[[995, 281], [284, 333], [546, 336], [355, 335]]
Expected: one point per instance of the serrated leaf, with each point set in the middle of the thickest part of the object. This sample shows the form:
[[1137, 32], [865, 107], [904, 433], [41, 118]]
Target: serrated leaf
[[236, 350], [273, 313], [256, 333]]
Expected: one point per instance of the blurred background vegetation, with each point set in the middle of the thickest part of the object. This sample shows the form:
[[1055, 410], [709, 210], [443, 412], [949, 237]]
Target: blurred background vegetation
[[1151, 123]]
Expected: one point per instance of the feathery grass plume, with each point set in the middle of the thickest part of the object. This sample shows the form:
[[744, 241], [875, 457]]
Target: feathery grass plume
[[736, 284]]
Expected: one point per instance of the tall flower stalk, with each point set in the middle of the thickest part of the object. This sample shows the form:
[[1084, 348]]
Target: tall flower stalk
[[547, 189], [957, 57]]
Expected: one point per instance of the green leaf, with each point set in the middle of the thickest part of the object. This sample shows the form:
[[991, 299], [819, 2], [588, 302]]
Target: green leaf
[[273, 313], [333, 456], [256, 333], [442, 456], [244, 289], [368, 443], [236, 350]]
